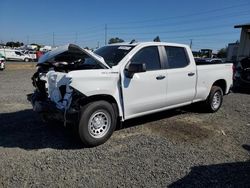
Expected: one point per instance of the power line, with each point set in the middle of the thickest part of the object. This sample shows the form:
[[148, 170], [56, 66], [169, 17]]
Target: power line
[[76, 38], [236, 14], [95, 34], [53, 39], [106, 33], [213, 27], [184, 15], [191, 43], [97, 31], [85, 32], [28, 39]]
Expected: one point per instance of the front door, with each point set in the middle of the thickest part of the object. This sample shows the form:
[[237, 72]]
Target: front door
[[145, 91]]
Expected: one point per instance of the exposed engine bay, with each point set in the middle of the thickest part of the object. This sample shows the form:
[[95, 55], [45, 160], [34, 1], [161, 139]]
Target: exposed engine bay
[[52, 83], [72, 59]]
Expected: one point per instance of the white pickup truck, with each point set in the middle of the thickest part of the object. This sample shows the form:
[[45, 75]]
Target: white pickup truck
[[97, 90]]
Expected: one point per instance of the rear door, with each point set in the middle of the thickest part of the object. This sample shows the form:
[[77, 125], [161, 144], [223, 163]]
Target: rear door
[[181, 76], [145, 91]]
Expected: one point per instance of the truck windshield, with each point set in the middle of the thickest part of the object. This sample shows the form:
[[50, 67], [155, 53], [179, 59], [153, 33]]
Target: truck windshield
[[114, 54]]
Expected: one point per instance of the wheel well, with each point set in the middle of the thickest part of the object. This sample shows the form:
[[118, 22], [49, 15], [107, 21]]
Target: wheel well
[[107, 98], [222, 84]]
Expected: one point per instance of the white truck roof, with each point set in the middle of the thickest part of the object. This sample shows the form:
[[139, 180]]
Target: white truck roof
[[149, 43]]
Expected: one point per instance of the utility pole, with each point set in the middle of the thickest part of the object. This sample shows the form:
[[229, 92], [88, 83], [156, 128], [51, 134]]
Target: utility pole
[[28, 39], [53, 39], [191, 43], [98, 44], [106, 30], [76, 37]]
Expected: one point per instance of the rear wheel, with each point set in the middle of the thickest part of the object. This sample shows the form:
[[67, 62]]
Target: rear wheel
[[97, 123], [215, 99]]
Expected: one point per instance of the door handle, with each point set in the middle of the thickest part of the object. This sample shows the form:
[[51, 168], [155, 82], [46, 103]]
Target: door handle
[[160, 77], [191, 74]]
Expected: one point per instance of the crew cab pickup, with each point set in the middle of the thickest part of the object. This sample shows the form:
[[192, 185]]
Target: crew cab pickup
[[97, 90]]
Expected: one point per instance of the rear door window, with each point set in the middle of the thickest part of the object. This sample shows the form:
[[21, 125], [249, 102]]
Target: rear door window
[[176, 57]]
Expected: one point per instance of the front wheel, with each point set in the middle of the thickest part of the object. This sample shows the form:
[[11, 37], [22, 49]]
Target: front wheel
[[26, 60], [97, 123], [215, 99]]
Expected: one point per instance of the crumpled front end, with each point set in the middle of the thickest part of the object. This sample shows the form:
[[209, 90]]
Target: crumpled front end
[[54, 98], [59, 91], [53, 95]]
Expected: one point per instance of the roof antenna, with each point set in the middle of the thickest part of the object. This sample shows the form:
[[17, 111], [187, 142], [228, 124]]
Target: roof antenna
[[157, 39], [132, 41]]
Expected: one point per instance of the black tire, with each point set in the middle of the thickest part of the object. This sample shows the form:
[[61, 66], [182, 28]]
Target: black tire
[[97, 123], [214, 99], [26, 60]]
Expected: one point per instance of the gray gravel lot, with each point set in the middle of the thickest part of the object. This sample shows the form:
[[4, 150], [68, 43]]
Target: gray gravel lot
[[177, 148]]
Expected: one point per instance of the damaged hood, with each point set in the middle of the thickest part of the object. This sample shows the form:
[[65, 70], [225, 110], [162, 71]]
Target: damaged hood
[[74, 49]]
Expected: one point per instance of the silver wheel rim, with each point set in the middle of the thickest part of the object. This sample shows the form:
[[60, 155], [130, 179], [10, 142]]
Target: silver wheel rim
[[99, 124], [216, 100]]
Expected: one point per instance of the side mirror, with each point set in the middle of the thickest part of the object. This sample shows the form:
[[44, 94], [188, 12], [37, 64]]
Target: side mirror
[[135, 68]]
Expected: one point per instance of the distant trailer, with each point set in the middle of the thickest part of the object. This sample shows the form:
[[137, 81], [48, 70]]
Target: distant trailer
[[232, 51], [244, 47]]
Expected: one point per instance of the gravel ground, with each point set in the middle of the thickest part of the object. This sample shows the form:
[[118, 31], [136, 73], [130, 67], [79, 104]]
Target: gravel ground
[[177, 148]]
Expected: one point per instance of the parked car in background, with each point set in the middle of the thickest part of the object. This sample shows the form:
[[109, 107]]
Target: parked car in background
[[2, 62], [31, 54], [16, 55], [205, 61], [242, 74], [97, 90]]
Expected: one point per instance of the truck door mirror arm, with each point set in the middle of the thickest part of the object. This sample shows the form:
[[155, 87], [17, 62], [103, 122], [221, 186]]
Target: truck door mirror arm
[[133, 68]]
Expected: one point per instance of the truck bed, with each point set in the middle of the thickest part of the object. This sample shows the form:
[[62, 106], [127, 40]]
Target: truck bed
[[216, 71]]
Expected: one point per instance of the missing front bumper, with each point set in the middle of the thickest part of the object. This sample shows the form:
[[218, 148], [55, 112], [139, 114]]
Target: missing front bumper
[[48, 109]]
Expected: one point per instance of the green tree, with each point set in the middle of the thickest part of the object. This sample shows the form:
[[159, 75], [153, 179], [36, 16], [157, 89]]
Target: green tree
[[222, 53], [38, 46], [115, 40], [14, 44], [157, 39], [10, 44]]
